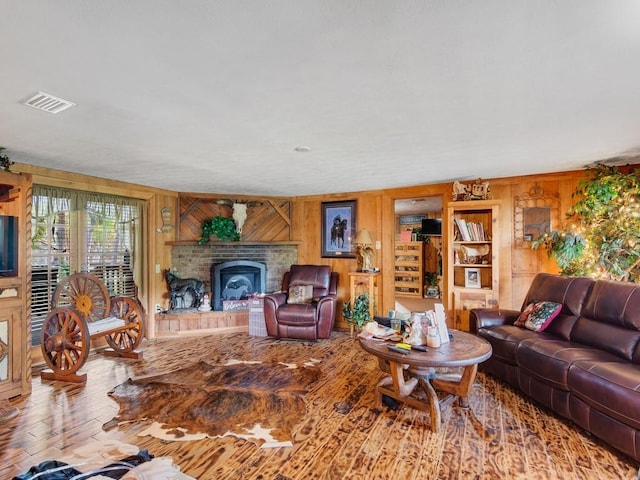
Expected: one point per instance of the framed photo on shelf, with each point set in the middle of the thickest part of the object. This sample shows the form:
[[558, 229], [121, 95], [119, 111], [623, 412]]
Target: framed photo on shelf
[[338, 229], [472, 278]]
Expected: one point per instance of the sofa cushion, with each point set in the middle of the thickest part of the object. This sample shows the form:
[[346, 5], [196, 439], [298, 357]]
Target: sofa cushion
[[538, 315], [318, 276], [300, 294], [526, 313], [548, 359], [615, 339], [615, 303], [298, 314], [611, 319], [562, 326], [610, 387], [571, 292]]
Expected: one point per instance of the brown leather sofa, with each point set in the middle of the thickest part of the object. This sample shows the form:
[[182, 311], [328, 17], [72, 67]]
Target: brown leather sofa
[[309, 318], [585, 365]]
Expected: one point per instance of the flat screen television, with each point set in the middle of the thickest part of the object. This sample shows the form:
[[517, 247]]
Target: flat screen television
[[8, 246], [432, 226]]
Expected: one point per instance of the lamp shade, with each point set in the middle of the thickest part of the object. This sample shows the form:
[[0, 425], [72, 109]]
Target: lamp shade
[[364, 237]]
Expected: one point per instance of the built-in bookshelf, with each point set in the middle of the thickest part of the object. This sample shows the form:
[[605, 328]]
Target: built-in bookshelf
[[472, 257], [15, 261]]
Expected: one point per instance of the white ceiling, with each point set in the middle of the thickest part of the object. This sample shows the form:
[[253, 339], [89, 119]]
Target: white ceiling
[[215, 96]]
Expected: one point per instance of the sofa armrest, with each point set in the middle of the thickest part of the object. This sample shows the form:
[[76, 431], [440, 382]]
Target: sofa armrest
[[326, 309], [275, 299], [491, 317], [271, 303]]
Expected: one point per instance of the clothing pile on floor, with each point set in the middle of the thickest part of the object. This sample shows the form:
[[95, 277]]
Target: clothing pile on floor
[[105, 460]]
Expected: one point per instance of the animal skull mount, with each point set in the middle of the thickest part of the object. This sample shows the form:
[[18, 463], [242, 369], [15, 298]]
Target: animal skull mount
[[239, 210], [239, 215]]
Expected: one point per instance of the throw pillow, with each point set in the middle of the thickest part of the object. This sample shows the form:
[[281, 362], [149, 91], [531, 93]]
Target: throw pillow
[[300, 294], [542, 316], [524, 316]]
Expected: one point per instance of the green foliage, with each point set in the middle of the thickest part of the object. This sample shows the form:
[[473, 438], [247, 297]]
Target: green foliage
[[431, 279], [64, 271], [565, 247], [5, 163], [359, 314], [222, 227], [603, 235]]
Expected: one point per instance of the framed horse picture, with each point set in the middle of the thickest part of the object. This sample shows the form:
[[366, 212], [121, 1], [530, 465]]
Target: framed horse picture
[[339, 229]]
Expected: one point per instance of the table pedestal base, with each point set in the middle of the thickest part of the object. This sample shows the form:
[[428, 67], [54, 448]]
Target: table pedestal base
[[395, 386]]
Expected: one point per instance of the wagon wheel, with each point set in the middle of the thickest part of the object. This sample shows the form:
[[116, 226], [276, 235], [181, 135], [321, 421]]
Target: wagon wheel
[[84, 292], [65, 341], [129, 310]]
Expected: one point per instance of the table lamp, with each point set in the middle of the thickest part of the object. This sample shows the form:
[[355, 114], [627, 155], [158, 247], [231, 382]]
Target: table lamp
[[364, 252]]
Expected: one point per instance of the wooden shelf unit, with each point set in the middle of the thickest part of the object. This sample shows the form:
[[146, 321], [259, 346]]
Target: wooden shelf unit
[[472, 275], [409, 269], [15, 339]]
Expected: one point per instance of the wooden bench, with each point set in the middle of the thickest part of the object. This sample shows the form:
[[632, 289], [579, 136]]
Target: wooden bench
[[83, 310]]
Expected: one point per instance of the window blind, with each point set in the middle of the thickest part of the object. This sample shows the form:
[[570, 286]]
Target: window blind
[[77, 231]]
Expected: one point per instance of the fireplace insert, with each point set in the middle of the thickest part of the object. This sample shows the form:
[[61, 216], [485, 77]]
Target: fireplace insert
[[236, 280]]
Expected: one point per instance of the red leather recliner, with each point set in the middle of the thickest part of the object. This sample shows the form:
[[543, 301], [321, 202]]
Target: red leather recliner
[[310, 320]]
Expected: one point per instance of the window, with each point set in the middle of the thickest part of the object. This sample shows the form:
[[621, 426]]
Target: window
[[86, 232]]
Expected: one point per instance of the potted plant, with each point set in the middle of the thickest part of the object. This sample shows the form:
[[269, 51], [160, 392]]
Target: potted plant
[[222, 227], [5, 163], [358, 314], [601, 239]]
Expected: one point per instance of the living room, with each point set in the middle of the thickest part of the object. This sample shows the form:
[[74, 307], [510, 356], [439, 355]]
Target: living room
[[521, 264], [290, 222]]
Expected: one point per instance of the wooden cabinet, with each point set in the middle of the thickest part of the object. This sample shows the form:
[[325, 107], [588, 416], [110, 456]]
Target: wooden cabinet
[[409, 269], [472, 257], [15, 226]]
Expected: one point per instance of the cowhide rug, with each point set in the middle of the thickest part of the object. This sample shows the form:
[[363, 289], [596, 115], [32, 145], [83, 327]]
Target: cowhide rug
[[251, 400]]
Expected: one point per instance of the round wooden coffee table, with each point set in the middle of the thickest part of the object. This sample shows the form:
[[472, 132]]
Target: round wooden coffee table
[[420, 368]]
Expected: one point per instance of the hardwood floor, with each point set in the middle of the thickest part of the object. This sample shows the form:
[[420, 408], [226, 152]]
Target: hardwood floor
[[343, 435]]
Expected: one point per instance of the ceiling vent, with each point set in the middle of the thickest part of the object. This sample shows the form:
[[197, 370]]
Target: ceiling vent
[[48, 103]]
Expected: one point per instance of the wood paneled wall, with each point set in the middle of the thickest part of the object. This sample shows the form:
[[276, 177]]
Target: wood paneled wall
[[268, 219], [375, 212]]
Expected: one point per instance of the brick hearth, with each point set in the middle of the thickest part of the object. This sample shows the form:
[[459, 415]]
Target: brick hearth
[[194, 261]]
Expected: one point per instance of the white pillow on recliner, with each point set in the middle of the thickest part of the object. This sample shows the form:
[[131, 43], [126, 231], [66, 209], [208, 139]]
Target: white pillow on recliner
[[300, 294]]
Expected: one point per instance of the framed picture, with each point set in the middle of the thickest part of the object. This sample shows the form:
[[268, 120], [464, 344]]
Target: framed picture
[[339, 229], [472, 278], [411, 219], [536, 213]]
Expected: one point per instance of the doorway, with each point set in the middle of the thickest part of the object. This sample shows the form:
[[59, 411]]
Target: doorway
[[418, 230]]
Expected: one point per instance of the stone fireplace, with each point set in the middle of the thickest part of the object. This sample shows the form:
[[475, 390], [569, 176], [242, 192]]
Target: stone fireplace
[[195, 261], [236, 280]]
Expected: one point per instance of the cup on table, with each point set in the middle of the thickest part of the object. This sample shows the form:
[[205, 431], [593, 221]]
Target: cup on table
[[396, 324]]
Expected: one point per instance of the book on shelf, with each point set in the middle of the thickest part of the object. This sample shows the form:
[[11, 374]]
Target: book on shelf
[[470, 231], [462, 229]]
